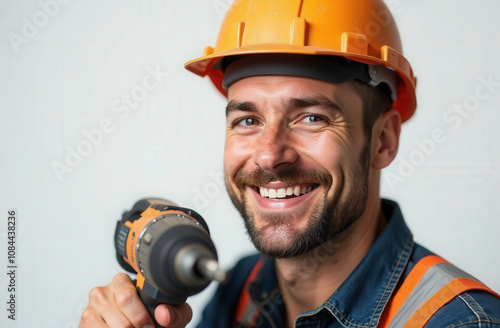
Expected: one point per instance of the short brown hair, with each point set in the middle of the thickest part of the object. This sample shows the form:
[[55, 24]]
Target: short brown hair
[[376, 101]]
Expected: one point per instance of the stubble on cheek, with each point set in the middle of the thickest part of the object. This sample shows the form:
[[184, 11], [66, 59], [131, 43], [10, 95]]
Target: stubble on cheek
[[235, 194], [288, 234]]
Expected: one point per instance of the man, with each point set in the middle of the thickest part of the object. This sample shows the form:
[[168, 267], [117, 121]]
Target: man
[[317, 91]]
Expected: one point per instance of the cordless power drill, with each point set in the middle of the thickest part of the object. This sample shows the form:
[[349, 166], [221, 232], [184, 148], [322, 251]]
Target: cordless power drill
[[170, 249]]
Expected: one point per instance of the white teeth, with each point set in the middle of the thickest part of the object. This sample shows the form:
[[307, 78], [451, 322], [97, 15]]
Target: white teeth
[[272, 193], [283, 192]]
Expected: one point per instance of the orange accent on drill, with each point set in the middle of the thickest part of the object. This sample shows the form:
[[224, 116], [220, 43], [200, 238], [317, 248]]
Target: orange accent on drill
[[170, 249]]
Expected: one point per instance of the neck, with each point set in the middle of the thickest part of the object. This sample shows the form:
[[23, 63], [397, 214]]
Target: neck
[[309, 280]]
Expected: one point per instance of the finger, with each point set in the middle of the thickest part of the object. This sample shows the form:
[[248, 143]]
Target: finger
[[102, 310], [115, 318], [128, 301], [177, 316], [91, 319]]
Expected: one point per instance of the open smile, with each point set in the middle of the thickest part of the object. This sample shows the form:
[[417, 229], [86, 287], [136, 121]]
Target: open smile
[[287, 192]]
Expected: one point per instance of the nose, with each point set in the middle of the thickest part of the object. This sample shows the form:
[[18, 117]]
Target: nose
[[274, 149]]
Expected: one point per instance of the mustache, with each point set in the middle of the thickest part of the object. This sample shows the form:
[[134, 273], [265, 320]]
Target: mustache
[[290, 175]]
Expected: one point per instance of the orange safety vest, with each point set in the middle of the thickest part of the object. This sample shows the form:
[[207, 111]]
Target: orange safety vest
[[432, 283]]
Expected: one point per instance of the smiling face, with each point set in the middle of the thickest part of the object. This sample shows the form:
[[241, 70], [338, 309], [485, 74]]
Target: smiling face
[[297, 160]]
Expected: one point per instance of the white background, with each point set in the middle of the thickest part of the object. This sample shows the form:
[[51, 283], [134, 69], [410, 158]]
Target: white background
[[68, 74]]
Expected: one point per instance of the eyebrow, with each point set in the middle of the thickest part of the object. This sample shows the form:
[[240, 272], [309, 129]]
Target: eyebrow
[[315, 100], [246, 106]]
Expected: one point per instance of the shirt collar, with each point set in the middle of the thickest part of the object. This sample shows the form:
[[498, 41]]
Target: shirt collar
[[360, 300]]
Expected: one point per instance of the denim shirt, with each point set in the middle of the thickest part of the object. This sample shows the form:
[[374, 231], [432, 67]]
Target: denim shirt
[[360, 300]]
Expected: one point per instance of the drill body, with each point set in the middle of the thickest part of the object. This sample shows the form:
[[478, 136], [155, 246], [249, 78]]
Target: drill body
[[170, 249]]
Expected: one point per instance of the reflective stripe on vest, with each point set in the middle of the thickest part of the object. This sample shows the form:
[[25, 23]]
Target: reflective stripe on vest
[[246, 311], [431, 284]]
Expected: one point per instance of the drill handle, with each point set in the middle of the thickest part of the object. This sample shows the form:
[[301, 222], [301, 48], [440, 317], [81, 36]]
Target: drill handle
[[151, 297], [150, 304]]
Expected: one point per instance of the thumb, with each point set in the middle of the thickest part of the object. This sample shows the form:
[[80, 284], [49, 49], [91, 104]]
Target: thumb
[[173, 316]]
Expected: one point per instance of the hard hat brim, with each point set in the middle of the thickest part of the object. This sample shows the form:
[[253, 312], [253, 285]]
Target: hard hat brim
[[405, 104]]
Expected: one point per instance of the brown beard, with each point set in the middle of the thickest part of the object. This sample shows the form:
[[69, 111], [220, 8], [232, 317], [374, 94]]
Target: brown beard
[[328, 222]]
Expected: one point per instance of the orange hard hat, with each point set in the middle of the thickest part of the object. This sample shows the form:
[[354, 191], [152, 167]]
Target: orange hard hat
[[359, 30]]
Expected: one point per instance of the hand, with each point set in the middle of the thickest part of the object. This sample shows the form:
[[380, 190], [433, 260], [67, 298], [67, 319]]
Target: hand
[[118, 305]]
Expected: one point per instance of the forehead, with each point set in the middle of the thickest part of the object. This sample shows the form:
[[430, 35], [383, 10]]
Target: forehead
[[264, 89]]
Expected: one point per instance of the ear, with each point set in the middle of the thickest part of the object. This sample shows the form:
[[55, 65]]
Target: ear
[[385, 139]]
